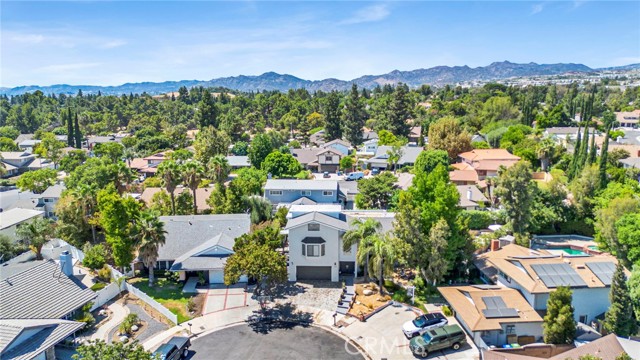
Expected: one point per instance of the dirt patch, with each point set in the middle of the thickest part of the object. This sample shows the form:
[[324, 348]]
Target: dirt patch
[[365, 304]]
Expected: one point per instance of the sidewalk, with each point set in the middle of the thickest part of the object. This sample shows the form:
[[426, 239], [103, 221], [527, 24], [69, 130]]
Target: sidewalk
[[118, 313]]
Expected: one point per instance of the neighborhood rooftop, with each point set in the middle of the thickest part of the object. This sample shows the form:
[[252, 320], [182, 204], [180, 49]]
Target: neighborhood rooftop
[[40, 335], [282, 184], [17, 215]]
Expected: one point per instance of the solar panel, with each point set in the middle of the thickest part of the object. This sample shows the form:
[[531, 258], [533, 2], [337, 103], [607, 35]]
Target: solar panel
[[496, 308], [494, 302], [491, 313], [554, 275], [603, 270]]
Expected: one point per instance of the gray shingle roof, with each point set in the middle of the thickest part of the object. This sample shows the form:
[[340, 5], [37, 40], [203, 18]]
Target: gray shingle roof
[[17, 215], [409, 154], [317, 217], [186, 232], [284, 184], [40, 292], [192, 261], [54, 191], [238, 161], [304, 201], [48, 333]]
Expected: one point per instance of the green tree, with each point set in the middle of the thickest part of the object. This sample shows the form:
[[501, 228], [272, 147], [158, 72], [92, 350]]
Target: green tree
[[346, 163], [446, 134], [52, 148], [281, 165], [376, 192], [99, 350], [559, 326], [240, 148], [435, 266], [609, 119], [35, 234], [192, 172], [605, 224], [394, 155], [6, 144], [362, 232], [260, 208], [353, 117], [171, 174], [545, 152], [260, 147], [9, 249], [428, 160], [37, 180], [251, 180], [207, 111], [331, 112], [71, 140], [381, 252], [386, 137], [398, 112], [150, 236], [72, 160], [634, 290], [628, 233], [209, 143], [516, 190], [113, 151], [259, 262], [94, 256], [9, 132], [219, 168], [115, 215], [617, 319], [76, 133]]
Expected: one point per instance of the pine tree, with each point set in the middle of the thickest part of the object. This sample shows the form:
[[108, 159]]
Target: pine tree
[[77, 133], [559, 326], [398, 113], [619, 319], [333, 123], [609, 119], [70, 138], [573, 166], [354, 117], [592, 149]]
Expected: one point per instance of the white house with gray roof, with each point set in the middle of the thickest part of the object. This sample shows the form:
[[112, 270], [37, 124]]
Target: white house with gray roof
[[381, 159], [200, 244], [287, 191], [26, 339], [11, 219]]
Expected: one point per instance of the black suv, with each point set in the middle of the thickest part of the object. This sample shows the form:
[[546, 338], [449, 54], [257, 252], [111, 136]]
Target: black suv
[[174, 349]]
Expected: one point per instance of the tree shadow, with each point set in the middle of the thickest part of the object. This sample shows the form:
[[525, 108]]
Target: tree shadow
[[278, 316], [285, 290]]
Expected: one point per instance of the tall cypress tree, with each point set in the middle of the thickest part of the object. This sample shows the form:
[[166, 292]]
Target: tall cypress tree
[[608, 119], [354, 117], [559, 325], [77, 133], [573, 166], [70, 138], [592, 149], [619, 319], [333, 124]]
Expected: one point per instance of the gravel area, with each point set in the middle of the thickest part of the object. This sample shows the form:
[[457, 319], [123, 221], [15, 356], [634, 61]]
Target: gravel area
[[153, 326], [319, 294]]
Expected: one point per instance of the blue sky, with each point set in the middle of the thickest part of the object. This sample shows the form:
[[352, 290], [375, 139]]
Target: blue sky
[[110, 43]]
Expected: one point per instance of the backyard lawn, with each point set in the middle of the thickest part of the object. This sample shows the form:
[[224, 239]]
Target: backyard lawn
[[167, 293]]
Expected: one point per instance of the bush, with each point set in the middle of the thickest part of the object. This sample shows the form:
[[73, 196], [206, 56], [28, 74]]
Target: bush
[[478, 219], [84, 315], [191, 305], [105, 273], [128, 322], [446, 310], [94, 256], [98, 286]]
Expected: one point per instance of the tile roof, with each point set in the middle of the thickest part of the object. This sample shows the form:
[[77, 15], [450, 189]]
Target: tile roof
[[317, 217], [45, 334], [488, 154], [137, 163], [15, 155], [291, 184], [518, 263], [186, 232], [632, 162], [493, 165], [16, 216], [304, 201], [463, 175], [41, 291], [202, 194], [469, 304]]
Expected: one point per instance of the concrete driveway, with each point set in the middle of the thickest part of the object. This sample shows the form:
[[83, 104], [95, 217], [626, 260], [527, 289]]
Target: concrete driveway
[[381, 336], [220, 298]]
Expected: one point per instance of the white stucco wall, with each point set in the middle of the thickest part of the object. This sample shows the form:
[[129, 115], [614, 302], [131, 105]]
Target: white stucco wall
[[333, 250], [586, 301]]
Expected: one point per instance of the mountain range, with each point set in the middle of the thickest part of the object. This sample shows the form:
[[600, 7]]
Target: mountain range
[[438, 76]]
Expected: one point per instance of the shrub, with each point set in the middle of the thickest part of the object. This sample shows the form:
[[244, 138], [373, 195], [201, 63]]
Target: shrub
[[94, 256], [478, 219], [191, 305], [446, 310], [84, 315], [98, 286], [105, 273], [128, 322]]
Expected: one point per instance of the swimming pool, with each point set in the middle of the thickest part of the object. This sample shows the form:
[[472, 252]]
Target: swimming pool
[[570, 251]]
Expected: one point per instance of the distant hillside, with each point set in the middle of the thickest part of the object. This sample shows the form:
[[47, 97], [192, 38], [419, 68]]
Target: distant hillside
[[439, 76]]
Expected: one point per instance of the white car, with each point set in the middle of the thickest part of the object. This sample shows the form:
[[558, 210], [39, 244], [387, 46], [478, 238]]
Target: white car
[[423, 323]]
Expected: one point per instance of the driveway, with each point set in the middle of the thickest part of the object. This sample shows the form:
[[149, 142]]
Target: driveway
[[271, 341], [220, 298], [381, 336]]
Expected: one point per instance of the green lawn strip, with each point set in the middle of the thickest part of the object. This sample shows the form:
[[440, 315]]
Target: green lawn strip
[[168, 294]]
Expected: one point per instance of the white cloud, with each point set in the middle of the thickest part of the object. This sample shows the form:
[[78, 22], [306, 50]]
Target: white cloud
[[112, 44], [537, 8], [27, 38], [369, 14], [625, 60], [66, 67]]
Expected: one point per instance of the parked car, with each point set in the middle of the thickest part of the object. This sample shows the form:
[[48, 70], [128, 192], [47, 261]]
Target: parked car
[[423, 323], [375, 171], [176, 348], [450, 336], [354, 176], [326, 175]]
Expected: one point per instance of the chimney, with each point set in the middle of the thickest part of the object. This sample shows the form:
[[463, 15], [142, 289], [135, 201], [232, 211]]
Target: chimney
[[495, 245], [66, 263], [469, 193]]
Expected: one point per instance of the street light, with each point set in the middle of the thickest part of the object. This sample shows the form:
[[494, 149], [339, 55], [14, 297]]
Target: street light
[[334, 318], [190, 333]]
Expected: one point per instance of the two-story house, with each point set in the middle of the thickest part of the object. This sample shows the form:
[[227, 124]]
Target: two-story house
[[486, 162], [628, 119], [324, 158], [329, 159], [287, 191], [16, 162], [536, 273], [49, 199]]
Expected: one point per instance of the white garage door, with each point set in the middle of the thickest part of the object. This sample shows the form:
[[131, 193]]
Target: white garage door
[[216, 276]]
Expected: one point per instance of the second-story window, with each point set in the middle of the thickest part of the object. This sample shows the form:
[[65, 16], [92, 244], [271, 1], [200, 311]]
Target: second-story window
[[313, 227], [275, 192], [328, 158], [327, 193], [305, 192]]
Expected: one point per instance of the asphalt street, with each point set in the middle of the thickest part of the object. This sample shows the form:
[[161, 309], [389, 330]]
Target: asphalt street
[[271, 341]]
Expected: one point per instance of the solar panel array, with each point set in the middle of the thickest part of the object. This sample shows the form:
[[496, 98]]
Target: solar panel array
[[496, 308], [554, 275], [603, 270]]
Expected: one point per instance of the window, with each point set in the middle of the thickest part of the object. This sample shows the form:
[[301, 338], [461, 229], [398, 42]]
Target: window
[[275, 192], [305, 192], [313, 227], [327, 193], [583, 319], [312, 250], [48, 200], [511, 329], [328, 158]]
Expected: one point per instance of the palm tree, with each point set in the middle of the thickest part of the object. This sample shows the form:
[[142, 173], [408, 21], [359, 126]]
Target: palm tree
[[395, 154], [382, 252], [128, 155], [84, 196], [360, 233], [124, 177], [219, 168], [259, 207], [171, 174], [192, 171], [35, 234], [150, 235], [545, 151]]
